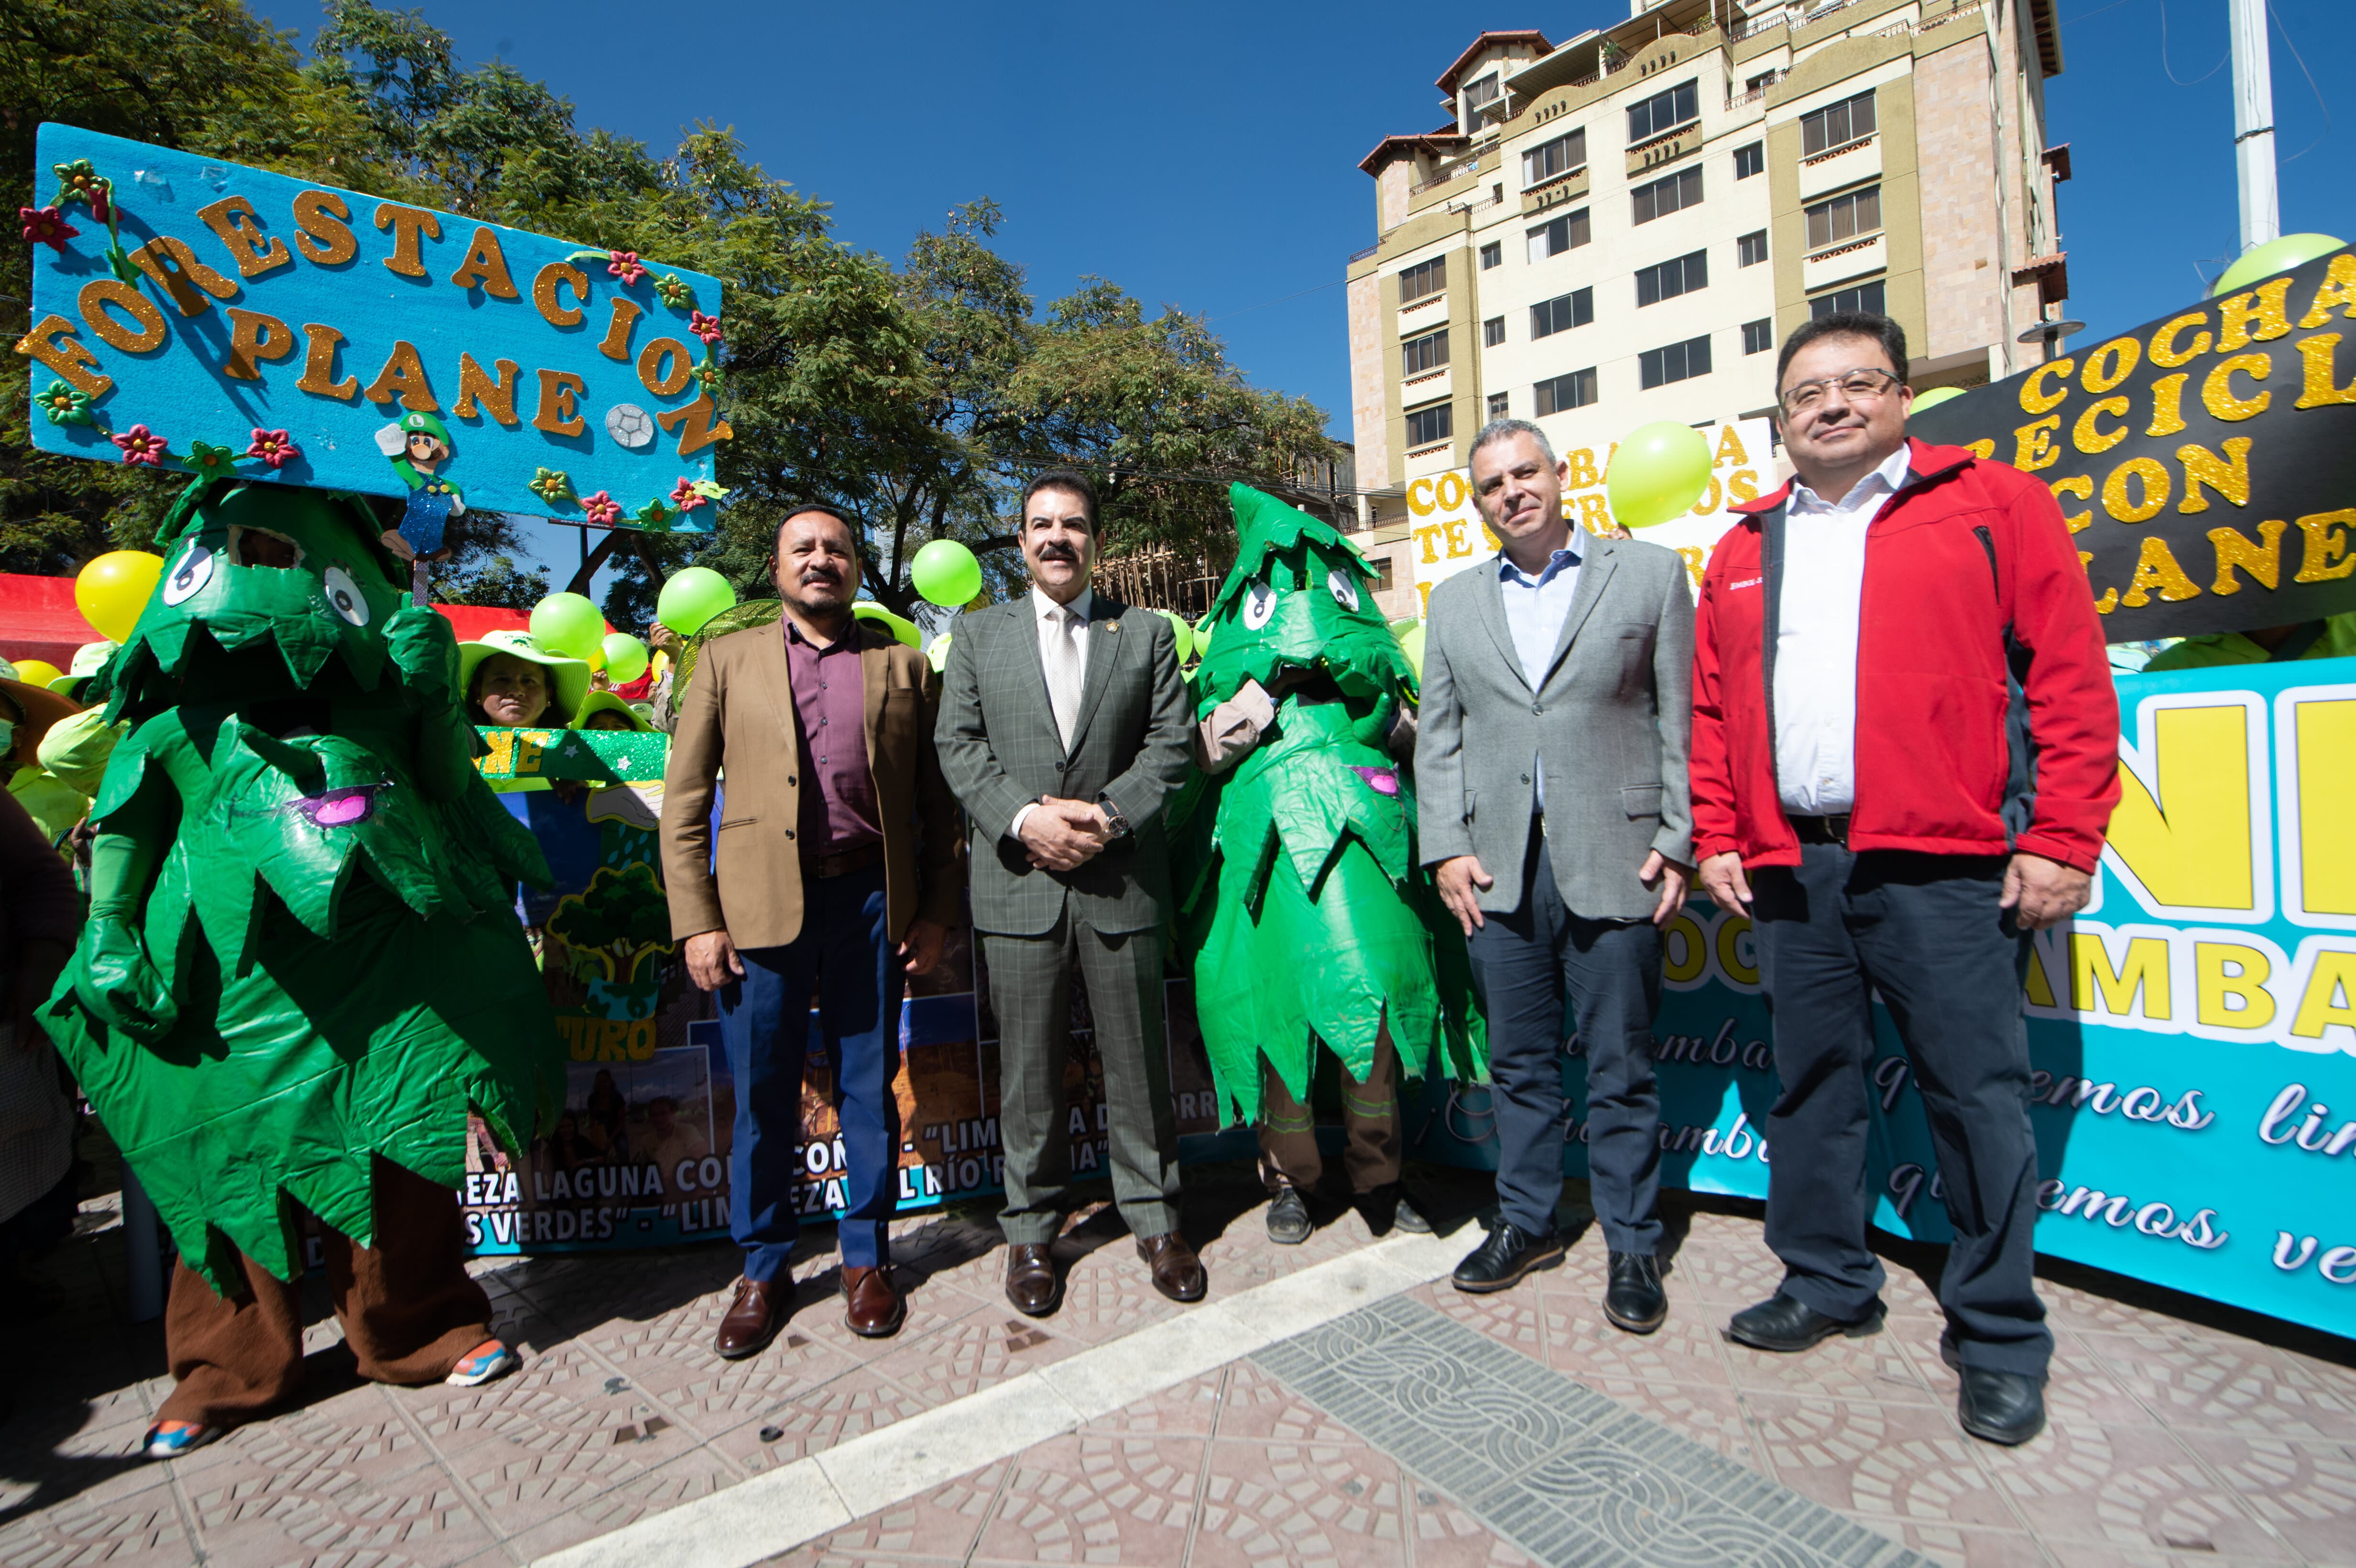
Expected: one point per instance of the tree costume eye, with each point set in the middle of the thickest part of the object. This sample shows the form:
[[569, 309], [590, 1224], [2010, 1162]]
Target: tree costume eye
[[1259, 603], [1344, 588], [343, 596], [189, 577]]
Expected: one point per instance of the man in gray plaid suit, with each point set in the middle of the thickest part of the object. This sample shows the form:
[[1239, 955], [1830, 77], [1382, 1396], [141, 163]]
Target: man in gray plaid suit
[[1063, 726]]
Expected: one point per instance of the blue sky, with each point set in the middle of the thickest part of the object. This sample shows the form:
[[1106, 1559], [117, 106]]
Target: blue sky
[[1206, 155]]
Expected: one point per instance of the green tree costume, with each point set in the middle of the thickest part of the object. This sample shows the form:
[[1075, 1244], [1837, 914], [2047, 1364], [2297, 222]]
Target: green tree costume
[[1301, 900], [301, 952]]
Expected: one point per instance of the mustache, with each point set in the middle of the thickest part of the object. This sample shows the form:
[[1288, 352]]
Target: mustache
[[1058, 552]]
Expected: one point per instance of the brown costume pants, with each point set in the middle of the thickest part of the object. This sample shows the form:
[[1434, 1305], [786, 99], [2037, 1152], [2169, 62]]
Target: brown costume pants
[[1370, 1121], [408, 1308]]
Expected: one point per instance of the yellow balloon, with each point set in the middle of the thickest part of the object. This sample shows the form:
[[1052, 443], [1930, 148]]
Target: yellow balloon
[[36, 672], [113, 590]]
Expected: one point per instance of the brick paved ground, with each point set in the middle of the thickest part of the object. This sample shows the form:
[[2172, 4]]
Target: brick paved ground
[[2181, 1434]]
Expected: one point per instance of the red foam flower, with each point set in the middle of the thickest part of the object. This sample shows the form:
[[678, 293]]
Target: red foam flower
[[101, 203], [626, 266], [707, 327], [46, 226], [601, 508], [273, 447], [140, 445], [686, 496]]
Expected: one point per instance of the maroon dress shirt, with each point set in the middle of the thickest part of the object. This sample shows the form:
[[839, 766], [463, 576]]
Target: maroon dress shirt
[[831, 701]]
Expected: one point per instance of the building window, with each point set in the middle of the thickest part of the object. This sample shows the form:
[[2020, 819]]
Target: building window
[[1663, 196], [1425, 426], [1491, 254], [1500, 405], [1382, 574], [1565, 233], [1422, 279], [1750, 160], [1759, 83], [1837, 125], [1663, 113], [1562, 154], [1871, 298], [1563, 393], [1677, 362], [1428, 352], [1492, 332], [1562, 313], [1751, 250], [1679, 275], [1479, 96], [1757, 337], [1845, 217]]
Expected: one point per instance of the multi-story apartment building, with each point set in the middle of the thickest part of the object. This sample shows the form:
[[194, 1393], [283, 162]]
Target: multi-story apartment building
[[1623, 227]]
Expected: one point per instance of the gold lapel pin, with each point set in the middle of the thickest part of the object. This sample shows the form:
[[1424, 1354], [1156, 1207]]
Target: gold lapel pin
[[1112, 626]]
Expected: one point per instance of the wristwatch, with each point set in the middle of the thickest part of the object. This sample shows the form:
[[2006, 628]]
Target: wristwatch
[[1115, 823]]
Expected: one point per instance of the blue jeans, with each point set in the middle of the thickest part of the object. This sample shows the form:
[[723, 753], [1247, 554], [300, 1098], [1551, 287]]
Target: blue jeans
[[846, 954]]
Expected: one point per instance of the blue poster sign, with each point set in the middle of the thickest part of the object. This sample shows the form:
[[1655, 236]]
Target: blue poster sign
[[2192, 1032], [199, 316]]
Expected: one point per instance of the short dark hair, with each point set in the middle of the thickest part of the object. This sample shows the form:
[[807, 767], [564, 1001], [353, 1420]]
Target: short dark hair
[[803, 510], [1845, 324], [1070, 479]]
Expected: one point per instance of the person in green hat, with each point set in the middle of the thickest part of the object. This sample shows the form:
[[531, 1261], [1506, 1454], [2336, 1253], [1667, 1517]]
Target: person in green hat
[[88, 660], [2334, 637], [511, 682], [418, 445]]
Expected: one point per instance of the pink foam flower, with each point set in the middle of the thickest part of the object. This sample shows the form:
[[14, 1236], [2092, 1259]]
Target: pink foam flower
[[707, 327], [274, 447], [686, 496], [46, 226], [626, 266], [140, 445], [601, 508]]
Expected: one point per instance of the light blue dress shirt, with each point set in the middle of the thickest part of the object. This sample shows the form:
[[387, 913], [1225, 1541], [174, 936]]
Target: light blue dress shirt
[[1535, 610]]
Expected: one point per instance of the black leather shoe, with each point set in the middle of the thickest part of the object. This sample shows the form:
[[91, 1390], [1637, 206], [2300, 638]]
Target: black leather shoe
[[2001, 1407], [1406, 1216], [1784, 1324], [1499, 1263], [1635, 1299], [1031, 1283], [1388, 1208], [1288, 1218]]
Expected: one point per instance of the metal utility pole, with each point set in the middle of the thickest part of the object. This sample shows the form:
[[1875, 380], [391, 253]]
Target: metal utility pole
[[2254, 123]]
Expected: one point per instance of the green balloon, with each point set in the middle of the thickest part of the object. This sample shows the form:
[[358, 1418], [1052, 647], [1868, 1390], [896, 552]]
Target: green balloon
[[626, 657], [1660, 470], [945, 573], [1410, 643], [691, 597], [567, 623], [938, 654], [899, 626], [1935, 396], [2274, 256], [1203, 637], [1183, 634]]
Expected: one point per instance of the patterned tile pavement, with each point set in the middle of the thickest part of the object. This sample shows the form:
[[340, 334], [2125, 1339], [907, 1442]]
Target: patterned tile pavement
[[2182, 1434]]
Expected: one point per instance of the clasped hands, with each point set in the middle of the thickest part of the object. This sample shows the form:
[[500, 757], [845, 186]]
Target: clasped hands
[[1063, 835]]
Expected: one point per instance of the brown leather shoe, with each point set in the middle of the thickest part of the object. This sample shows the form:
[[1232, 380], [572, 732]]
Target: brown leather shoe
[[872, 1307], [1031, 1282], [752, 1317], [1177, 1271]]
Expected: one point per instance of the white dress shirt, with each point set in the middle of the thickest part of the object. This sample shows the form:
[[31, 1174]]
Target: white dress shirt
[[1535, 608], [1815, 639], [1050, 617]]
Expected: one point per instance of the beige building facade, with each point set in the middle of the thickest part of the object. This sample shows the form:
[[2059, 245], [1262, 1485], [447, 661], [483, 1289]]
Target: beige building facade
[[1623, 228]]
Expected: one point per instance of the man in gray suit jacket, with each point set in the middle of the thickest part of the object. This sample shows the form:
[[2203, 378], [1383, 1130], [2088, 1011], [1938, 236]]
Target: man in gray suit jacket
[[1063, 725], [1551, 763]]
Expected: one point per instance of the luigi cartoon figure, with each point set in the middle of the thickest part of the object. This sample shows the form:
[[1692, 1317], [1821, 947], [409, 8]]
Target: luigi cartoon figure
[[419, 446]]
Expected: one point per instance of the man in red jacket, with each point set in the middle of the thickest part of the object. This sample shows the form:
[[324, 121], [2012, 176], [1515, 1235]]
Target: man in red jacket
[[1905, 752]]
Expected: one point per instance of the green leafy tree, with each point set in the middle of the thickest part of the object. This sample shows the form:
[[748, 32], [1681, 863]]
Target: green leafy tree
[[615, 924]]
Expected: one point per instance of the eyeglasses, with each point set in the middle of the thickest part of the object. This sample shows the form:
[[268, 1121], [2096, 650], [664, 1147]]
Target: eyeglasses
[[1858, 386]]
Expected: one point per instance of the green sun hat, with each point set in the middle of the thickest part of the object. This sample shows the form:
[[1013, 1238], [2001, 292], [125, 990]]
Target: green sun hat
[[607, 702], [568, 678], [88, 660]]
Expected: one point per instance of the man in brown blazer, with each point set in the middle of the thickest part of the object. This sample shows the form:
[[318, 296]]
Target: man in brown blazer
[[835, 871]]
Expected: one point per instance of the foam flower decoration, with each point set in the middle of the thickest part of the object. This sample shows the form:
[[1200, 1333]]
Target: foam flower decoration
[[209, 460], [710, 489], [673, 291], [46, 226], [626, 266], [707, 327], [686, 496], [551, 485], [655, 518], [140, 445], [601, 508], [274, 447], [65, 404], [77, 181]]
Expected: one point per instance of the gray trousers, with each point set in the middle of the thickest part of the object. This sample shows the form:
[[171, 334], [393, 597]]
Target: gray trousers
[[1031, 990]]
